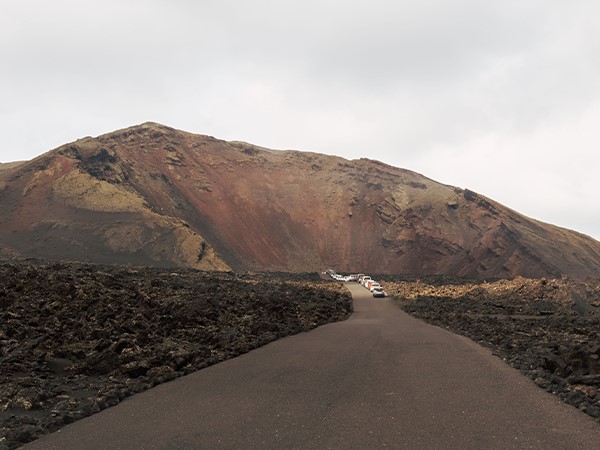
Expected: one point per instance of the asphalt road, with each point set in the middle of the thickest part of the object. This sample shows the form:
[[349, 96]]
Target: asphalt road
[[381, 379]]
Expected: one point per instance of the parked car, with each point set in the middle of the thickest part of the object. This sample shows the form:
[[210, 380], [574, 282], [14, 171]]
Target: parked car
[[373, 286], [338, 277], [365, 280], [379, 292], [370, 284]]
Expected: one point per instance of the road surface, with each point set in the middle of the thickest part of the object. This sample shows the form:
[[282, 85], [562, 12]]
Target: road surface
[[380, 379]]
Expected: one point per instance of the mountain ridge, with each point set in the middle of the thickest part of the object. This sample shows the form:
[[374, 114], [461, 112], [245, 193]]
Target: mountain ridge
[[151, 194]]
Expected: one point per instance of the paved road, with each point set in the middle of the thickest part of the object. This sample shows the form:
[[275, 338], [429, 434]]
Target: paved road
[[381, 379]]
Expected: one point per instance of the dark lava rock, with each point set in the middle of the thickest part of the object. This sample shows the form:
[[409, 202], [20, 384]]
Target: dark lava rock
[[76, 339], [593, 410], [547, 329]]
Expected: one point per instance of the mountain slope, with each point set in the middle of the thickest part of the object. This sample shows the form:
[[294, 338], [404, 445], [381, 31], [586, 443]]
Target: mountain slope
[[154, 195]]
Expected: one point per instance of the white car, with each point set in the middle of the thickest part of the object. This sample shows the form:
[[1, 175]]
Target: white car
[[370, 283], [379, 292], [374, 285]]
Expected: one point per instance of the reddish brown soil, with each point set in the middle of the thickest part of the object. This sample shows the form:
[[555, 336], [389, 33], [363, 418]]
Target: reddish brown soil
[[76, 339], [152, 195]]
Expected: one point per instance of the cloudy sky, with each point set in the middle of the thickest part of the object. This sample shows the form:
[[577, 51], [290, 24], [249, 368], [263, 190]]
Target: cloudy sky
[[501, 97]]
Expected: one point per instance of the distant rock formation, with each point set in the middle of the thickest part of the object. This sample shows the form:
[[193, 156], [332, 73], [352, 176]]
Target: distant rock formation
[[153, 195]]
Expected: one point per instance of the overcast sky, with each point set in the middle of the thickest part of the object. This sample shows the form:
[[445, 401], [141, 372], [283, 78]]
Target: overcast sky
[[501, 97]]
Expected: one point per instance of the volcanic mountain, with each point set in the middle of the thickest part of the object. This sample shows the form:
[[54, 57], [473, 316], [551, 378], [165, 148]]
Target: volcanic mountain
[[153, 195]]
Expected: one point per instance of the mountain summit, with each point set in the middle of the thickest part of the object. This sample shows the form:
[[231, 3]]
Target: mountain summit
[[153, 195]]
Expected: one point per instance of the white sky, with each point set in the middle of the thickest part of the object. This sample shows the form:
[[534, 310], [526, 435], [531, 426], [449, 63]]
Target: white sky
[[501, 97]]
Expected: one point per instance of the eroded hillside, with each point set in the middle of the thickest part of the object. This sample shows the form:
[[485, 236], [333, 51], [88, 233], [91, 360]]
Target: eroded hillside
[[154, 195]]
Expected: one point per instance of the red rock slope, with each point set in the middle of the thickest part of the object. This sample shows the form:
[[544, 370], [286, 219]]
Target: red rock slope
[[154, 195]]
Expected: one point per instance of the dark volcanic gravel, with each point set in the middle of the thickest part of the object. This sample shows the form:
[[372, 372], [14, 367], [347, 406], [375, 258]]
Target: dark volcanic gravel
[[547, 329], [76, 339]]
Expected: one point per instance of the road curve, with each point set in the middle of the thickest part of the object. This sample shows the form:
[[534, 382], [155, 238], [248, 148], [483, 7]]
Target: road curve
[[380, 379]]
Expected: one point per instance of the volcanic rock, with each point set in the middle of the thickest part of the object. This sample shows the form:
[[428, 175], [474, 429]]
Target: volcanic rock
[[531, 324], [76, 339], [153, 195]]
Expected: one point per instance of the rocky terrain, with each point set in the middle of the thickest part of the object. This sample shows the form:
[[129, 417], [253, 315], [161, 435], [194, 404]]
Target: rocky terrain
[[76, 339], [152, 195], [547, 329]]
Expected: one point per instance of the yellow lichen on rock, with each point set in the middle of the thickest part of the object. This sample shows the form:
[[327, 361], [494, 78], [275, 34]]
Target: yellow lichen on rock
[[125, 237], [163, 239], [195, 251], [80, 190]]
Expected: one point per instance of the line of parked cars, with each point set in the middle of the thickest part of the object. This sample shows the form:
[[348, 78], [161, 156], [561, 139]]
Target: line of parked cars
[[365, 280]]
